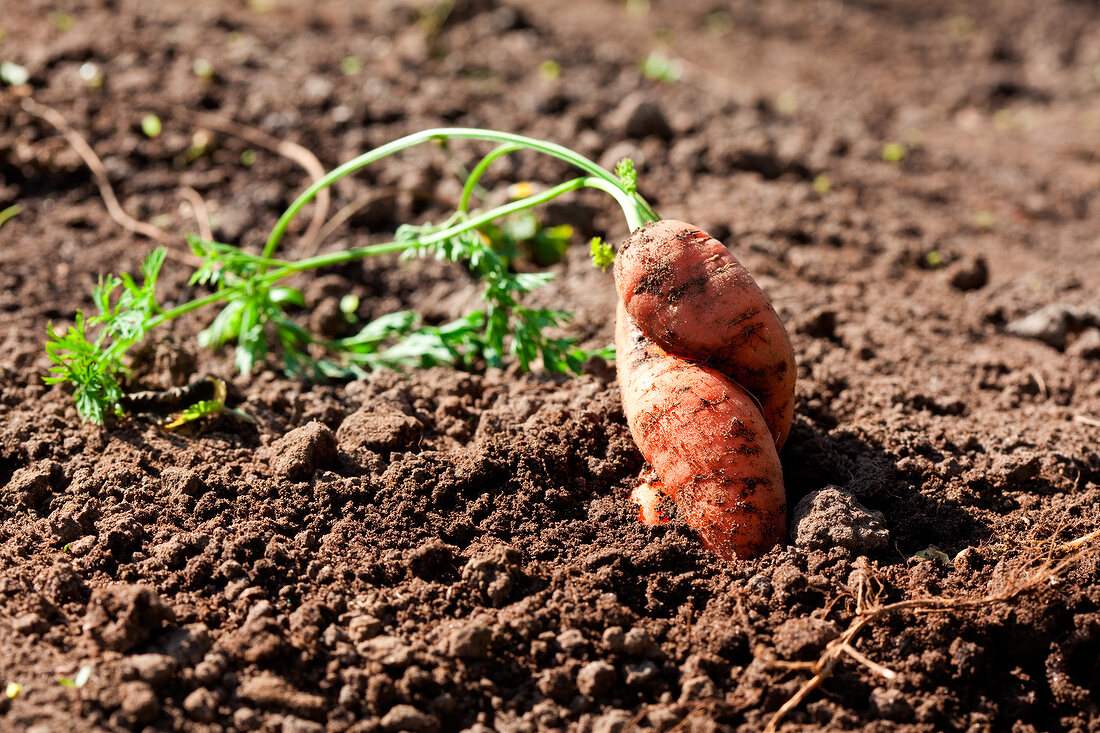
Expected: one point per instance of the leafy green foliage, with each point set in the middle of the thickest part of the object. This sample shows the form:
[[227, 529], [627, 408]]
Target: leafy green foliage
[[89, 354], [252, 302], [601, 253], [504, 326], [659, 66], [496, 246], [628, 175]]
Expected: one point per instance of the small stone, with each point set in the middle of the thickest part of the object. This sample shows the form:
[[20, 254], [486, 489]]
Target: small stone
[[1086, 346], [201, 705], [470, 641], [408, 718], [1053, 323], [155, 669], [139, 702], [831, 517], [761, 585], [596, 678]]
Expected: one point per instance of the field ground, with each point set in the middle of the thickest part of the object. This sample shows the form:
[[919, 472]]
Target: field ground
[[449, 551]]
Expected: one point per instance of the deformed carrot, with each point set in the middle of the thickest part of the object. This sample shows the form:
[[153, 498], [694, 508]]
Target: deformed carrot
[[691, 296], [707, 441]]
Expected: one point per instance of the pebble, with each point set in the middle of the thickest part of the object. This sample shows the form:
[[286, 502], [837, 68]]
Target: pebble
[[1087, 345], [1052, 324]]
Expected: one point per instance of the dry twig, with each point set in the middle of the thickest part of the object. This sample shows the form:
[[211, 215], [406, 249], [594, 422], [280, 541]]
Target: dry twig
[[99, 172], [198, 211], [290, 150]]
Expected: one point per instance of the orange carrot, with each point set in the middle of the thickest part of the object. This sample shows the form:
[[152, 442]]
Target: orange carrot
[[688, 293], [707, 441]]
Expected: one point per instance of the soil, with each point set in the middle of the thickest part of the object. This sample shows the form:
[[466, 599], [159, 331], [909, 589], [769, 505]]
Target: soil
[[444, 551]]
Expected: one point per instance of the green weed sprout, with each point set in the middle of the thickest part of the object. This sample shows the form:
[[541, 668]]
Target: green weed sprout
[[253, 316]]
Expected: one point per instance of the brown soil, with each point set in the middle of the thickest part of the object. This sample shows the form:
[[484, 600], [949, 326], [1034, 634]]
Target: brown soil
[[450, 551]]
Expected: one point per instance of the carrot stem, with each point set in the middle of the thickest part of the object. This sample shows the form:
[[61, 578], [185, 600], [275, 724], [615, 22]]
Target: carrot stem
[[635, 208]]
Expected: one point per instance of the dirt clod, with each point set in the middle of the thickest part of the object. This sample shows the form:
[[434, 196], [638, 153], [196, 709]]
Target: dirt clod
[[803, 638], [268, 690], [303, 450], [831, 517], [154, 669], [139, 702], [121, 617], [493, 574], [408, 718], [470, 641]]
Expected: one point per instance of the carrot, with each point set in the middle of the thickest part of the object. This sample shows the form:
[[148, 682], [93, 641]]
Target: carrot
[[707, 441], [688, 293]]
